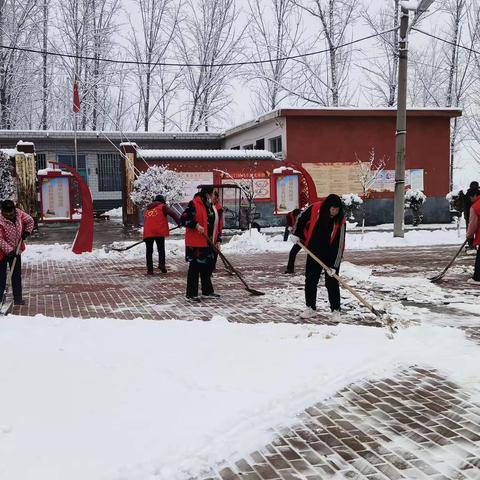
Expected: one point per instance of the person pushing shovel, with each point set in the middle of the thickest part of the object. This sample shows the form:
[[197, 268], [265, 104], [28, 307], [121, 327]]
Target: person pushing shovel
[[473, 232], [321, 228], [15, 227]]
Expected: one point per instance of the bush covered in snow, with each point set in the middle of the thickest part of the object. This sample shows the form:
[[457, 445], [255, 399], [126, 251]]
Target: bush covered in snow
[[414, 200], [351, 202], [7, 185], [157, 180], [456, 199]]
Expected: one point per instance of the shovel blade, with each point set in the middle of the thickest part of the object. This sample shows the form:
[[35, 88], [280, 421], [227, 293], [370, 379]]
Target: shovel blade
[[6, 308], [255, 292]]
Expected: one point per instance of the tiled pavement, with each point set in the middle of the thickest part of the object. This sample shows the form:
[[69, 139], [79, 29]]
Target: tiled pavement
[[416, 425]]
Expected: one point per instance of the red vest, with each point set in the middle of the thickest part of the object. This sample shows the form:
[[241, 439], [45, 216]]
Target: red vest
[[155, 223], [313, 221], [476, 207], [194, 238]]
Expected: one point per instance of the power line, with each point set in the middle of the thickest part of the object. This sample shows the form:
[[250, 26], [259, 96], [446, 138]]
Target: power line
[[175, 64], [444, 40]]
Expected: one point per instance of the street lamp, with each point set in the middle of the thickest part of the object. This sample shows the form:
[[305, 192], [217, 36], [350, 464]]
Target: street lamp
[[401, 132]]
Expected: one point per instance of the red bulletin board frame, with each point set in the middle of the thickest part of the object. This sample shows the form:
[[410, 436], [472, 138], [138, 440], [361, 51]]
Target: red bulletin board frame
[[286, 172], [55, 174]]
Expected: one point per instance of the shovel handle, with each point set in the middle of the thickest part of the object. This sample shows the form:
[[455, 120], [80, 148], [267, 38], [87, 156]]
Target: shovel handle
[[344, 284]]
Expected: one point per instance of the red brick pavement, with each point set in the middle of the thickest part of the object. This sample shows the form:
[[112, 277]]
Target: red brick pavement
[[397, 428]]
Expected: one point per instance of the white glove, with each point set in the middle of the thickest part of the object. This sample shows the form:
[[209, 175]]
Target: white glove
[[294, 238]]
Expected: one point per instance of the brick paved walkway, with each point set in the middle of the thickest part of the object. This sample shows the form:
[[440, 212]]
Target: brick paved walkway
[[416, 425]]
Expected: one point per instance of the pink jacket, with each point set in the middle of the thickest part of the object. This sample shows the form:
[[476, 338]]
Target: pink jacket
[[11, 233]]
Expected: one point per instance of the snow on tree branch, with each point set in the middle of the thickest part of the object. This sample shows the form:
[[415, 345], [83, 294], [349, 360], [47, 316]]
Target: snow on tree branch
[[7, 184], [157, 180]]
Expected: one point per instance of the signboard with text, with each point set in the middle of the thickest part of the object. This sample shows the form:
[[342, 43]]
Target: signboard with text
[[55, 196], [287, 196]]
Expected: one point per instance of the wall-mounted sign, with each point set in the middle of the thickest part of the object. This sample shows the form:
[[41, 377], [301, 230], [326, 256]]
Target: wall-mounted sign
[[55, 196], [287, 195], [194, 179]]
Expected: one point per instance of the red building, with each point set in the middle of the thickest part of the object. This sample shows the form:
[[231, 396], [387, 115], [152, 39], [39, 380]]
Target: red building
[[328, 143]]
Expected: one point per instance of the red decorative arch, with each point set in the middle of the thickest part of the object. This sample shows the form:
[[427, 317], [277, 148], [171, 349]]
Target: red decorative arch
[[84, 239], [312, 189]]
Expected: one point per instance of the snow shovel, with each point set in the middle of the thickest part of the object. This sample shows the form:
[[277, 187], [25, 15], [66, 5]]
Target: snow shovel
[[382, 316], [6, 307], [438, 277], [107, 248], [230, 267]]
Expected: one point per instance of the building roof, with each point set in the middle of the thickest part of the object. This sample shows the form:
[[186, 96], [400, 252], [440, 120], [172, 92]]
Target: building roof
[[341, 112], [198, 154]]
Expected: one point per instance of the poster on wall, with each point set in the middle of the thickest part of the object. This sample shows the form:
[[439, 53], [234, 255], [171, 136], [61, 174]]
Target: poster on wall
[[287, 194], [416, 179], [56, 198], [194, 179]]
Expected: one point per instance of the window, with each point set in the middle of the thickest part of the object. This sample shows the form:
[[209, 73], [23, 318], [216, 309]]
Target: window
[[69, 159], [41, 161], [109, 172], [248, 147], [260, 144], [275, 144]]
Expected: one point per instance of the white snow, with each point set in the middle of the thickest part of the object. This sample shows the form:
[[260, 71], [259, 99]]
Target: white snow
[[251, 242], [46, 171], [115, 212], [283, 169], [197, 154], [143, 400]]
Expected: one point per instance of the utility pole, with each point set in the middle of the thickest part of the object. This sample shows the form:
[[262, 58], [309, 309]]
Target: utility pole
[[401, 132]]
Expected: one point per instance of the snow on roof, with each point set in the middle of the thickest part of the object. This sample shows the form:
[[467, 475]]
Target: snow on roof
[[11, 152], [21, 142], [282, 169], [197, 154], [46, 171]]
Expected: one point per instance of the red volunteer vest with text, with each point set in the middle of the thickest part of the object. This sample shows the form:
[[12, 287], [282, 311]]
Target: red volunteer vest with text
[[476, 207], [194, 238], [155, 223], [312, 222]]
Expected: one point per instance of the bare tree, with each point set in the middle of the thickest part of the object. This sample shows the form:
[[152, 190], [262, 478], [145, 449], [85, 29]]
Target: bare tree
[[328, 84], [151, 43], [382, 71], [368, 173], [17, 28], [209, 39], [275, 33]]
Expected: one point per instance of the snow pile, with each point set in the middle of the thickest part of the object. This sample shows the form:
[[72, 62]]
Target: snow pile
[[109, 399], [372, 240], [413, 197], [254, 241], [351, 199], [115, 212]]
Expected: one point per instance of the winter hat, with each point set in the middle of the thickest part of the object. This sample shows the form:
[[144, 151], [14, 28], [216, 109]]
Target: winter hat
[[474, 185], [159, 198], [8, 206], [206, 190], [333, 201]]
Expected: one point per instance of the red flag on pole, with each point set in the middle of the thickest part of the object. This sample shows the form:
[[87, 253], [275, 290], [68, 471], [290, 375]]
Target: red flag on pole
[[76, 97]]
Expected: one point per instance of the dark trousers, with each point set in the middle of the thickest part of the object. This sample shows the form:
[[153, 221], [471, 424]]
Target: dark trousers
[[286, 233], [16, 277], [312, 275], [214, 263], [202, 270], [292, 256], [476, 272], [160, 241]]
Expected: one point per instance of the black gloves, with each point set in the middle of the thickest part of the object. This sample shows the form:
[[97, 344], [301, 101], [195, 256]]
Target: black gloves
[[11, 254]]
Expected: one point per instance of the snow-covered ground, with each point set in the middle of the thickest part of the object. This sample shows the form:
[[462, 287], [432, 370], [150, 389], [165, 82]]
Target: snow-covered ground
[[138, 400], [254, 242]]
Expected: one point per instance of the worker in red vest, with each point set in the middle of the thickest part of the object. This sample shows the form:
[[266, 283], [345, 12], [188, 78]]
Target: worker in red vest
[[321, 228], [155, 229], [473, 231], [201, 220], [218, 206]]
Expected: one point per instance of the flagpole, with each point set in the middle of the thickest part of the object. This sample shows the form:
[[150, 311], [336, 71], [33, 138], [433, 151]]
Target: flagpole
[[75, 139]]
